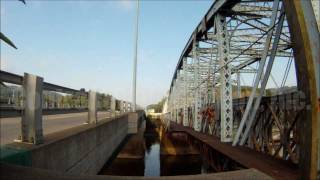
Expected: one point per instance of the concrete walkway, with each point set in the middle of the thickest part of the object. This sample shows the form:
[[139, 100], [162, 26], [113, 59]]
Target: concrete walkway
[[10, 172]]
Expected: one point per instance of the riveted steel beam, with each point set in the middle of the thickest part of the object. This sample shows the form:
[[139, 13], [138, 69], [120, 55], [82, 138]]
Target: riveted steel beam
[[305, 37]]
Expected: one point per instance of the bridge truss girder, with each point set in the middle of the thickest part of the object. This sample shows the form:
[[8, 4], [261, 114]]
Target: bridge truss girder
[[218, 50]]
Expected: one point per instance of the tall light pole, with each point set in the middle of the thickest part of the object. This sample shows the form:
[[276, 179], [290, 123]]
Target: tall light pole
[[134, 83]]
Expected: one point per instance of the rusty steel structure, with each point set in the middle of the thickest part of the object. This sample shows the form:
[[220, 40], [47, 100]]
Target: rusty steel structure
[[215, 159], [246, 39], [275, 129]]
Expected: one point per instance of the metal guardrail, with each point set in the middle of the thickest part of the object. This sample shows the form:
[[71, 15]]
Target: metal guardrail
[[10, 78], [18, 80], [12, 112], [33, 86]]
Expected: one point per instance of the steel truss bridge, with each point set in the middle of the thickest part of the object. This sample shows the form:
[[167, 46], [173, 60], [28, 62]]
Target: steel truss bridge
[[240, 37]]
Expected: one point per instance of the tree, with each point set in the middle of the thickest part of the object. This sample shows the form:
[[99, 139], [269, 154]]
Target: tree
[[157, 107], [5, 38]]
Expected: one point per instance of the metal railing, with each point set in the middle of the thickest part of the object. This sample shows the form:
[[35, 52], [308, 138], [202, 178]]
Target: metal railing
[[18, 80], [32, 111]]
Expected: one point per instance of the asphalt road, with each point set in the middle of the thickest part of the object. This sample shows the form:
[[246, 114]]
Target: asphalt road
[[10, 127]]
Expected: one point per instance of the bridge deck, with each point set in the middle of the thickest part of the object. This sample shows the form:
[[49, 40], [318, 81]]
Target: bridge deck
[[276, 168]]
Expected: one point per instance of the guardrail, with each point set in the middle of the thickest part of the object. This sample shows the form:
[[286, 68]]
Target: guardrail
[[32, 111], [18, 80], [18, 112], [275, 130]]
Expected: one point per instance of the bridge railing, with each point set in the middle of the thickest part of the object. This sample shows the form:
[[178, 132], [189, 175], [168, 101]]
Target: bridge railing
[[18, 80], [275, 131], [32, 111]]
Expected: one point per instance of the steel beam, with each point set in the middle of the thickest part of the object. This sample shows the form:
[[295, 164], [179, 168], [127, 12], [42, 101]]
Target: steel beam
[[238, 85], [306, 49], [259, 74], [197, 115], [265, 79], [185, 88], [200, 30], [226, 118]]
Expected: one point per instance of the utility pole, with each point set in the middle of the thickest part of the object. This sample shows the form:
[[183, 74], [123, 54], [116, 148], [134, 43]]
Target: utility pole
[[134, 85]]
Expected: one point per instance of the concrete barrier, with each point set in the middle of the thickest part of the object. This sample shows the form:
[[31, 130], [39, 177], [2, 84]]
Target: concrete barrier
[[79, 150]]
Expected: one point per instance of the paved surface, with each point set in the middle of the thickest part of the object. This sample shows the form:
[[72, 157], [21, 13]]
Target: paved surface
[[249, 158], [10, 127], [26, 173]]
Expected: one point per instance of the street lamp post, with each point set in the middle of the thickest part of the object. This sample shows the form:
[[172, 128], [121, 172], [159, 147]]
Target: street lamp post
[[134, 85]]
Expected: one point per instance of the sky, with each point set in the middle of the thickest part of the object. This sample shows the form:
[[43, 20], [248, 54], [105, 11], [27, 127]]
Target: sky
[[89, 44]]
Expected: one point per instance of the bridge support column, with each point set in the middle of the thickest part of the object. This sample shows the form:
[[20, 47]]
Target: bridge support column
[[113, 107], [185, 88], [92, 107], [121, 107], [124, 106], [197, 79], [180, 97], [238, 85], [31, 124], [226, 118], [128, 107], [174, 100], [133, 122]]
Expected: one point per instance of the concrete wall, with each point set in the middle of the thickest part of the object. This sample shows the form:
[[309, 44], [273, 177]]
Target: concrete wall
[[135, 146], [84, 152], [135, 121], [80, 150]]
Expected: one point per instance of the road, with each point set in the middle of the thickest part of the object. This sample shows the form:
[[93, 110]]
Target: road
[[10, 127]]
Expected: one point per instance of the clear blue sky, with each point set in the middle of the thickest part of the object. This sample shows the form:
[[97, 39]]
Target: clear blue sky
[[89, 44]]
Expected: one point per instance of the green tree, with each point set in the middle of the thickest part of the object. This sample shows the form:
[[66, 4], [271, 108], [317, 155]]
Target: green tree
[[5, 38]]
